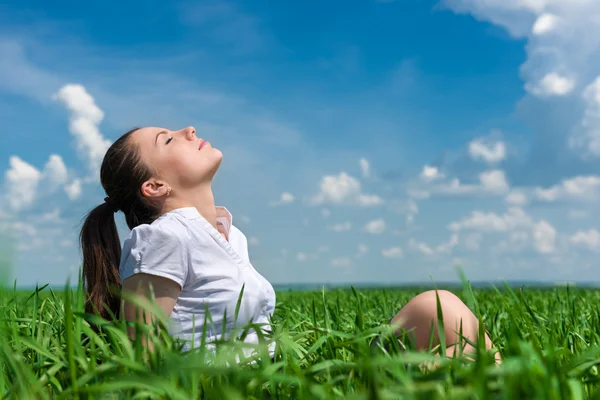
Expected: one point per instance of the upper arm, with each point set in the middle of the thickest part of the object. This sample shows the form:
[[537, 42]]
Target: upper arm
[[154, 263], [142, 288]]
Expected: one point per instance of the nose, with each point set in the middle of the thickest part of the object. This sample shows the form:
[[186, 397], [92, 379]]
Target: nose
[[190, 133]]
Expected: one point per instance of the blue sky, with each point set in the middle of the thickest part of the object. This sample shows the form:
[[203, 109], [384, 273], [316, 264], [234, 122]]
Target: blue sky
[[385, 141]]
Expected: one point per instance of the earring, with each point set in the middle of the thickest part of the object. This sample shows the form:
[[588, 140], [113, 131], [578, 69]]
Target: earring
[[168, 191]]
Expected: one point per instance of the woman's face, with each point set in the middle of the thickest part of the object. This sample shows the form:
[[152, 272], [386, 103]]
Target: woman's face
[[179, 159]]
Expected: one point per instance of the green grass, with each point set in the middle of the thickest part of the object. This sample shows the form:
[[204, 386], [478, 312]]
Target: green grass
[[548, 340]]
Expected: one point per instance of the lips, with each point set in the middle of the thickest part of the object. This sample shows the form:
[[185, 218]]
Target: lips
[[202, 142]]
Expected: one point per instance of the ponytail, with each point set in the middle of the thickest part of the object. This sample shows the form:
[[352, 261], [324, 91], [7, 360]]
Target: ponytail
[[101, 248]]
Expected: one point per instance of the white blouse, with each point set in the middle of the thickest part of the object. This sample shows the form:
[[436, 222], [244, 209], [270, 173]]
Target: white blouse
[[183, 246]]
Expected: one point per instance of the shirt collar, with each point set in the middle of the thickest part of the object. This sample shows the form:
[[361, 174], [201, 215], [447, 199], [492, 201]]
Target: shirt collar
[[224, 217]]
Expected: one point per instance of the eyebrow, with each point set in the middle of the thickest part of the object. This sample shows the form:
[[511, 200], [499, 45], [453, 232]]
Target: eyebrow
[[158, 134]]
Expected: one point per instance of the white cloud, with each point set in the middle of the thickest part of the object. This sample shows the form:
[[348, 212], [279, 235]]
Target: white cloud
[[303, 256], [344, 189], [392, 252], [564, 37], [375, 227], [253, 241], [552, 84], [365, 167], [494, 181], [51, 216], [413, 209], [73, 189], [285, 198], [341, 262], [21, 183], [368, 200], [491, 222], [480, 149], [589, 239], [442, 248], [579, 187], [430, 173], [491, 182], [345, 226], [521, 229], [516, 198], [472, 241], [55, 171], [362, 250], [544, 237], [587, 137], [84, 120], [545, 23]]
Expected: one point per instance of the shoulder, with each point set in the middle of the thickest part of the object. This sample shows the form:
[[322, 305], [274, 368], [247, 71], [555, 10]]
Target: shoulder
[[165, 231]]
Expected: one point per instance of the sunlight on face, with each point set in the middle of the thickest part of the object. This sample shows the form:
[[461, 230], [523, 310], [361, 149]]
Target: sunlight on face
[[179, 158]]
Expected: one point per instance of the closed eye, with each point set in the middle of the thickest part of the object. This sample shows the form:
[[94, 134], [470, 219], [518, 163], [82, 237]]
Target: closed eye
[[168, 140]]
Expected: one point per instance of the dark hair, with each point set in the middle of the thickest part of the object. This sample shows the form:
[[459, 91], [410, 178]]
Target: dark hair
[[121, 174]]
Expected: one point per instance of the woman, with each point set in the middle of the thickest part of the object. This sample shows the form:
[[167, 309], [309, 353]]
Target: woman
[[188, 251]]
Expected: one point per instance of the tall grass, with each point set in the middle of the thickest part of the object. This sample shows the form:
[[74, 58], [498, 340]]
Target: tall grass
[[327, 347]]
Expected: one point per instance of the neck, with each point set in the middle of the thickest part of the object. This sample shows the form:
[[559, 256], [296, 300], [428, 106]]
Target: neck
[[201, 198]]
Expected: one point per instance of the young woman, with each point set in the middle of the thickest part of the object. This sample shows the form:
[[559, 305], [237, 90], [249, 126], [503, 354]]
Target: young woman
[[188, 250]]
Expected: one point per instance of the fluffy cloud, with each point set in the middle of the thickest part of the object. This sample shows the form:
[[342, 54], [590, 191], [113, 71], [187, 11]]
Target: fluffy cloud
[[563, 46], [491, 222], [518, 225], [516, 198], [490, 182], [73, 189], [84, 120], [587, 137], [362, 249], [55, 171], [392, 252], [24, 183], [21, 183], [544, 237], [494, 181], [285, 198], [344, 189], [480, 149], [545, 23], [375, 227], [427, 250], [562, 34], [552, 84], [345, 226], [589, 239], [365, 167], [430, 174], [580, 187]]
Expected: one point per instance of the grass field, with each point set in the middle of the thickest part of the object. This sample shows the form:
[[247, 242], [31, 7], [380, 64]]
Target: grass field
[[548, 340]]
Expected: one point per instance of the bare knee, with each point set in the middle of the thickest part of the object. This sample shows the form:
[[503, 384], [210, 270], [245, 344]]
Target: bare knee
[[421, 313]]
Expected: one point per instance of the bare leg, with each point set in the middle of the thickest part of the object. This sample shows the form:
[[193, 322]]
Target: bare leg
[[419, 313]]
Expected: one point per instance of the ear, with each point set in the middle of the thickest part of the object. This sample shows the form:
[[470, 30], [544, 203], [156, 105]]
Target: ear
[[153, 188]]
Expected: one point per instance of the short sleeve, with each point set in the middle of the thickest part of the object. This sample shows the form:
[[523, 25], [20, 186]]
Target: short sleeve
[[155, 249]]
